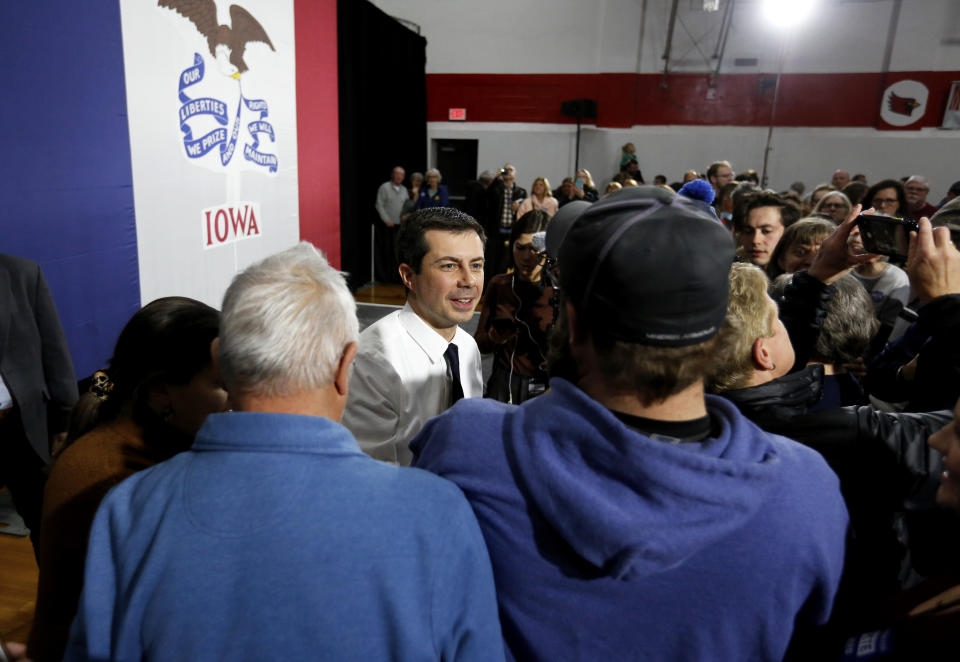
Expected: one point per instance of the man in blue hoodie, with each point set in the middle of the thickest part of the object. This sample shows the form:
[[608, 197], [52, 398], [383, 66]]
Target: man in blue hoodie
[[627, 514]]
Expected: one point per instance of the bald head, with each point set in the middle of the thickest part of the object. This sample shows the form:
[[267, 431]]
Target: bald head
[[840, 178]]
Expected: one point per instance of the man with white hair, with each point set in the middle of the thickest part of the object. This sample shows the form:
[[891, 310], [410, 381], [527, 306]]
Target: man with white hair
[[275, 537], [916, 189]]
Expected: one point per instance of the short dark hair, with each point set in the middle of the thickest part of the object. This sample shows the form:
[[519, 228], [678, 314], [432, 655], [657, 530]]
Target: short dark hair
[[713, 167], [789, 213], [854, 191], [411, 243], [756, 201], [739, 197], [652, 373]]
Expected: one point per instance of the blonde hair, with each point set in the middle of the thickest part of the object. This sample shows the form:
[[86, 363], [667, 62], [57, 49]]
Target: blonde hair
[[750, 315], [844, 200], [589, 179], [546, 186]]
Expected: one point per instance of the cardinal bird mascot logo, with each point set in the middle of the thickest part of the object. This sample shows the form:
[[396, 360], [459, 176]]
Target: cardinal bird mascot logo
[[227, 45], [902, 105]]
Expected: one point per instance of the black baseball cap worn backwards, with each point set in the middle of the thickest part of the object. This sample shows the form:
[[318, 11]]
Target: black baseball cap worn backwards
[[645, 265]]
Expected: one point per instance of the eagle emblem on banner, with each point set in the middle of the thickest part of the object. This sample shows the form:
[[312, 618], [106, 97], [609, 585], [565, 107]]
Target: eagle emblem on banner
[[227, 45]]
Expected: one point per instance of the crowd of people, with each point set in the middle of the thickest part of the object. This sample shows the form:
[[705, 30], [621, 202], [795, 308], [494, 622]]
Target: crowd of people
[[717, 427]]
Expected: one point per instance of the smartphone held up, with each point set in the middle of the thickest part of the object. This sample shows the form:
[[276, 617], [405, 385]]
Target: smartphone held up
[[886, 235], [890, 235]]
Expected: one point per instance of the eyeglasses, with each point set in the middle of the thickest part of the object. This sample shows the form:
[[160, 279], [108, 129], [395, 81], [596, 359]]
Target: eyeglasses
[[832, 205], [916, 189], [885, 201]]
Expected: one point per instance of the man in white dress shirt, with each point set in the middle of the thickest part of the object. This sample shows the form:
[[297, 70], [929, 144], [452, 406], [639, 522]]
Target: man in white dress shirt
[[416, 362]]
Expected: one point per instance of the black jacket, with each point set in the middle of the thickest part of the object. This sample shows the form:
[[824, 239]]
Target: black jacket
[[934, 337], [494, 208], [803, 308], [884, 465], [476, 201], [34, 358]]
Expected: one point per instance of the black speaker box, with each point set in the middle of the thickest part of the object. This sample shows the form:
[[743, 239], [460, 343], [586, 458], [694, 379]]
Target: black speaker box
[[582, 108]]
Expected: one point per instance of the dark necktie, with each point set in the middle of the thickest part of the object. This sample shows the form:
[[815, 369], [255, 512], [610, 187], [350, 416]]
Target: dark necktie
[[452, 357]]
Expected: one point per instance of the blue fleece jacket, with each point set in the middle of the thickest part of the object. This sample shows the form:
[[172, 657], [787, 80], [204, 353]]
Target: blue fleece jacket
[[608, 545], [275, 538]]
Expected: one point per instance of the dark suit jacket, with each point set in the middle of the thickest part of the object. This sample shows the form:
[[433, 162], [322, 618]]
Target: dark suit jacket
[[34, 357]]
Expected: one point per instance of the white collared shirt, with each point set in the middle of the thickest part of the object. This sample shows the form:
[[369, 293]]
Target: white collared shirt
[[400, 380]]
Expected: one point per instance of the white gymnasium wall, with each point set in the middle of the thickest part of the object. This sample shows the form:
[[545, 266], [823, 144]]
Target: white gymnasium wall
[[572, 36], [809, 155], [604, 36]]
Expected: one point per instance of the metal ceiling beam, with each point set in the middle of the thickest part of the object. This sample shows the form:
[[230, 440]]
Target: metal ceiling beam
[[891, 35], [722, 40], [666, 53]]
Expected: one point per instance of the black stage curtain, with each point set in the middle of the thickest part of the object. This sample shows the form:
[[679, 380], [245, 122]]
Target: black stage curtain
[[383, 119]]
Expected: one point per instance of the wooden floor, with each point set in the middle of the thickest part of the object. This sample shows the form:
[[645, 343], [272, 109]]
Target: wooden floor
[[18, 568], [394, 295]]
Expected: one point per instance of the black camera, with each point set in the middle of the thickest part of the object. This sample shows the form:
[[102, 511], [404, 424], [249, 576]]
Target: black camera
[[886, 235]]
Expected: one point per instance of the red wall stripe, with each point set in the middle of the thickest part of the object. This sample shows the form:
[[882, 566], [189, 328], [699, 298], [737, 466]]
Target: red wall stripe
[[318, 145], [625, 100]]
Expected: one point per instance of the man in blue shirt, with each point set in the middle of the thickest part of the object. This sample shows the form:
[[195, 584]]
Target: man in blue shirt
[[275, 537]]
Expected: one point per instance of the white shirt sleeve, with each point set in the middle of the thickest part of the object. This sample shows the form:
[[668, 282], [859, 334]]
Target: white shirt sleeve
[[374, 407], [400, 380]]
